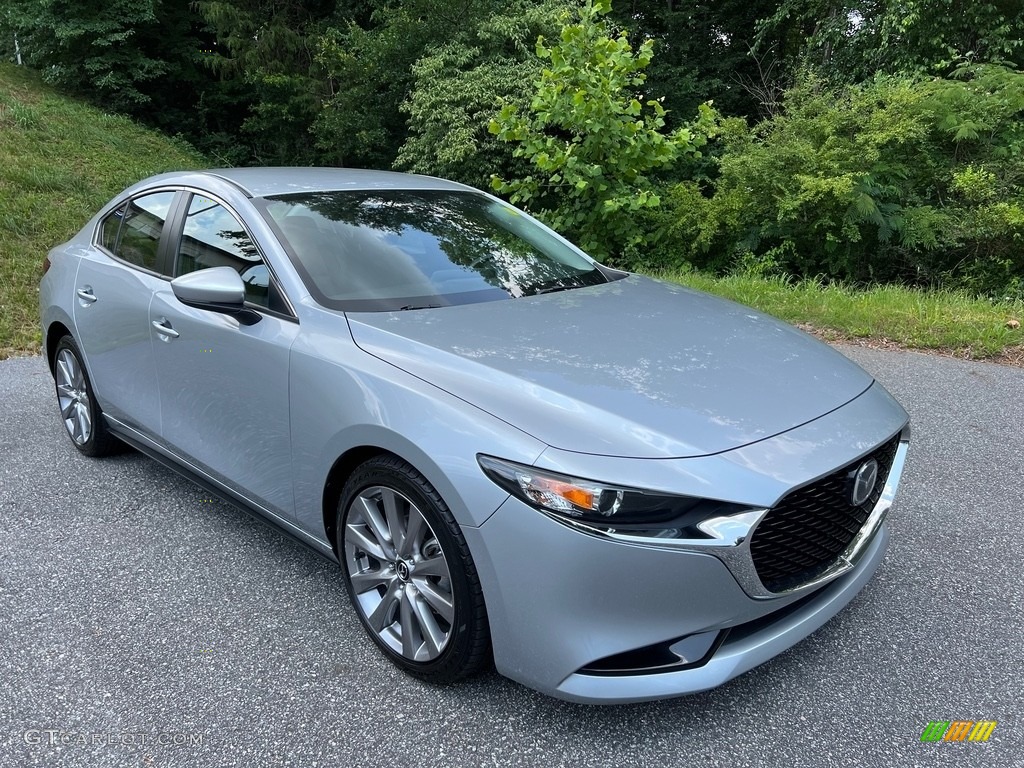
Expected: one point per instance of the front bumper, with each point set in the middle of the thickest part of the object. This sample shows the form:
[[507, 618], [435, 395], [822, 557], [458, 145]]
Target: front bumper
[[744, 648], [574, 615], [566, 600]]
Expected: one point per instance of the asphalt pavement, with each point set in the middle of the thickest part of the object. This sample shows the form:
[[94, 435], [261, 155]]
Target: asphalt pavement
[[144, 624]]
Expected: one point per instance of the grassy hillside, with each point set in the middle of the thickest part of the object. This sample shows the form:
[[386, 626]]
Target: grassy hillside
[[60, 160]]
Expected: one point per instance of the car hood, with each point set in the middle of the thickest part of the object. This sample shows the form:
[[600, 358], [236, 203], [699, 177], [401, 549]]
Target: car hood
[[637, 367]]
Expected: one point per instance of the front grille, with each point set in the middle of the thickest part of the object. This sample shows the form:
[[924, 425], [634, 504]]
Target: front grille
[[802, 535]]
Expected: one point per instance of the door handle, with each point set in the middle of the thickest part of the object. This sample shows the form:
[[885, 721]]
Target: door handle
[[86, 294], [163, 327]]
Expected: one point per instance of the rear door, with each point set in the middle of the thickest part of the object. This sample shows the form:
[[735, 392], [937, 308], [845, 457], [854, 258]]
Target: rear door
[[115, 284], [224, 385]]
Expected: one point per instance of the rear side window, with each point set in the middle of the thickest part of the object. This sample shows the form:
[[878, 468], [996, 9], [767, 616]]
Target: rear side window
[[141, 223]]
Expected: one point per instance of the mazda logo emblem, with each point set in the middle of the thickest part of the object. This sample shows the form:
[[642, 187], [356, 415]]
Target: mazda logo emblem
[[864, 480]]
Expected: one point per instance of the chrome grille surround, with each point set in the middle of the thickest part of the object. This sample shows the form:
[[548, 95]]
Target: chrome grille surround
[[800, 537]]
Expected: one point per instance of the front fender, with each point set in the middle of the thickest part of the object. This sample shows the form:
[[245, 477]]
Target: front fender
[[368, 402]]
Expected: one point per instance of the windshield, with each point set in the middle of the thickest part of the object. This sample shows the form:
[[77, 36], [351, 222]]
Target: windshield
[[382, 250]]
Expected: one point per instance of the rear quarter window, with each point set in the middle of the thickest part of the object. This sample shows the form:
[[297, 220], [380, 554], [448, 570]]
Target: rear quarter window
[[111, 227]]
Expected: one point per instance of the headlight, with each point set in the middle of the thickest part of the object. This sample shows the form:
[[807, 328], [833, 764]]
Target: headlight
[[603, 505]]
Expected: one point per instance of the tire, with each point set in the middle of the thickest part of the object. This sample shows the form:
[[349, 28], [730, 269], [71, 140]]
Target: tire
[[417, 594], [80, 413]]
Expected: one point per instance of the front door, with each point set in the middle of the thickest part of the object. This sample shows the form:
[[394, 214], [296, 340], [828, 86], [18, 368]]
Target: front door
[[223, 384]]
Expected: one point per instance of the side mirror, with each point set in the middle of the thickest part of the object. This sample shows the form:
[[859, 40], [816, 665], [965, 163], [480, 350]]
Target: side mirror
[[217, 289]]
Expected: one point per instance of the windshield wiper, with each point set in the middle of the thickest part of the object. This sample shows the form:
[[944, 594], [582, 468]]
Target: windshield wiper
[[553, 289], [419, 306], [550, 287]]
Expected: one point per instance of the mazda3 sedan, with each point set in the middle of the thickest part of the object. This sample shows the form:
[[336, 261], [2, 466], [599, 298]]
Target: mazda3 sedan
[[616, 488]]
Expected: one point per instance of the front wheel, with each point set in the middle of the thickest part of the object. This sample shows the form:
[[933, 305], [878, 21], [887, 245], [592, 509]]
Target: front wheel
[[79, 410], [409, 573]]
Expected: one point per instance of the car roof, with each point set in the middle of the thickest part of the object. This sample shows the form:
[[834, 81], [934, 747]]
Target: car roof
[[261, 182]]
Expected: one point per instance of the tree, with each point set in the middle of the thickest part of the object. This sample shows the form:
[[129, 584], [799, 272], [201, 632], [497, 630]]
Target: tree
[[591, 142], [144, 59], [369, 64], [852, 40], [458, 88], [267, 48], [703, 52], [915, 179], [93, 48]]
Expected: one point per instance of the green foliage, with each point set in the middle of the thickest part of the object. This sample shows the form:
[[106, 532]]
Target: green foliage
[[703, 52], [369, 64], [933, 35], [861, 140], [144, 59], [92, 48], [852, 41], [590, 140], [909, 179], [459, 87], [267, 46]]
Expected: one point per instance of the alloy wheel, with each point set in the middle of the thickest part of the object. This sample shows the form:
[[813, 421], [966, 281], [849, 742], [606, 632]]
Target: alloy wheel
[[73, 397], [399, 575]]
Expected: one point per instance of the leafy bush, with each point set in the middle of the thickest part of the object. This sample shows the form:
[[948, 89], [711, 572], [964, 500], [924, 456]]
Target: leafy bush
[[590, 140], [897, 179], [459, 88]]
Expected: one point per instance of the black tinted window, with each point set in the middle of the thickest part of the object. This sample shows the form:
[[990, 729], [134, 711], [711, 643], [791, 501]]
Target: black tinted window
[[110, 227], [408, 249], [213, 237], [140, 232]]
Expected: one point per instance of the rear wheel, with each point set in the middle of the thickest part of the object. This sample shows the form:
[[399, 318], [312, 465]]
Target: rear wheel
[[79, 410], [409, 573]]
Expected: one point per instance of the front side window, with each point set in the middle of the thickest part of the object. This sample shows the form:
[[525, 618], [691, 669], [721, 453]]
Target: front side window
[[384, 250], [143, 222], [213, 237]]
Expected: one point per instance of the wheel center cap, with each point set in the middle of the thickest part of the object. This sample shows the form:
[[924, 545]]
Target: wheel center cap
[[402, 569]]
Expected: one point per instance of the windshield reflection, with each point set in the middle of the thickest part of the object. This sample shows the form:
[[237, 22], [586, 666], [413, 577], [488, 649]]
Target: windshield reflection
[[409, 249]]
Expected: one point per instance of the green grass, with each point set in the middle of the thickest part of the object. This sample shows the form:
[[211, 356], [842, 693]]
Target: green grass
[[60, 161], [932, 320]]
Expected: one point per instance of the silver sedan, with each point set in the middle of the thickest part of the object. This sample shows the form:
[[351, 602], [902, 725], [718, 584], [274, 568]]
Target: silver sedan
[[615, 488]]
